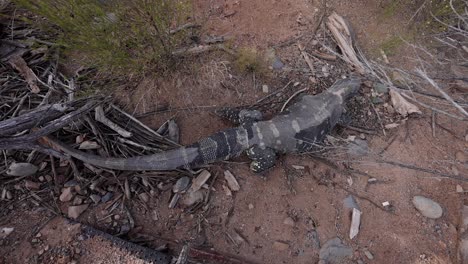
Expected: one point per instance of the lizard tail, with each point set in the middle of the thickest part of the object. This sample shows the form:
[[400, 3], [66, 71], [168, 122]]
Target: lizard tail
[[219, 146]]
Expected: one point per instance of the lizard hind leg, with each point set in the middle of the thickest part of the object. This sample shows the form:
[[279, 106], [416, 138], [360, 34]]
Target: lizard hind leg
[[262, 158], [239, 116]]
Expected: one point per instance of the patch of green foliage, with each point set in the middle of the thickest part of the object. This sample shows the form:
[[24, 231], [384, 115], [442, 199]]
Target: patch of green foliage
[[391, 9], [250, 61], [391, 45], [440, 15], [117, 36]]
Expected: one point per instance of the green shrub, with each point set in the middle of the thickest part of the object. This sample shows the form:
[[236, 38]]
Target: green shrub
[[117, 36], [248, 60]]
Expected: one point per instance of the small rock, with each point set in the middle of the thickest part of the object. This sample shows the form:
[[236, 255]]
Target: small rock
[[280, 246], [192, 198], [289, 221], [427, 207], [40, 252], [78, 200], [144, 197], [181, 185], [461, 157], [362, 136], [277, 64], [33, 186], [9, 195], [48, 178], [66, 195], [21, 169], [6, 231], [350, 203], [251, 206], [226, 190], [231, 181], [95, 198], [198, 182], [459, 188], [75, 211], [355, 223], [358, 147], [116, 217], [71, 183], [265, 89], [107, 197], [380, 88], [39, 234], [41, 178], [455, 171], [386, 203], [368, 254], [86, 145], [334, 252]]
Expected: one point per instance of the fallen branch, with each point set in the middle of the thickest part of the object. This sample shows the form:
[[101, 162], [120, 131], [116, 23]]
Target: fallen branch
[[100, 117], [22, 67]]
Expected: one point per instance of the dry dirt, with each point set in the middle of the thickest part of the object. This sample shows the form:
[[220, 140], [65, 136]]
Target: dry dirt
[[313, 197]]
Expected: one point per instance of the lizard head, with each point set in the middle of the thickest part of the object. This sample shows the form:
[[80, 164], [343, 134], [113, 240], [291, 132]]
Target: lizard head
[[346, 88]]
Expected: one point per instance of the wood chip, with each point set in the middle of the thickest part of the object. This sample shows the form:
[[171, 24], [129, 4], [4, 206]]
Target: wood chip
[[199, 181], [22, 67], [231, 181]]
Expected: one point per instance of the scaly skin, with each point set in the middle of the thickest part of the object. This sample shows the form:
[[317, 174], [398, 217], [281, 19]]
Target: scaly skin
[[298, 129]]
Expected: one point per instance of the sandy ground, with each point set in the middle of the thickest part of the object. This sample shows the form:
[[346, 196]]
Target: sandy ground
[[262, 210]]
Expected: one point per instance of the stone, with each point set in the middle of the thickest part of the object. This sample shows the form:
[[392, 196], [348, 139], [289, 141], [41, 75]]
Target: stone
[[95, 198], [33, 186], [461, 157], [350, 203], [334, 252], [289, 221], [280, 246], [107, 197], [87, 145], [368, 254], [6, 231], [75, 211], [251, 206], [144, 197], [71, 183], [355, 223], [265, 89], [48, 178], [380, 88], [277, 64], [231, 181], [198, 182], [192, 198], [9, 195], [427, 207], [181, 185], [459, 188], [66, 195], [358, 147], [77, 200], [21, 169]]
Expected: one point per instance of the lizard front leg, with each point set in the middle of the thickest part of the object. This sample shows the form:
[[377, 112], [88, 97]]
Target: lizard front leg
[[239, 116], [262, 158]]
